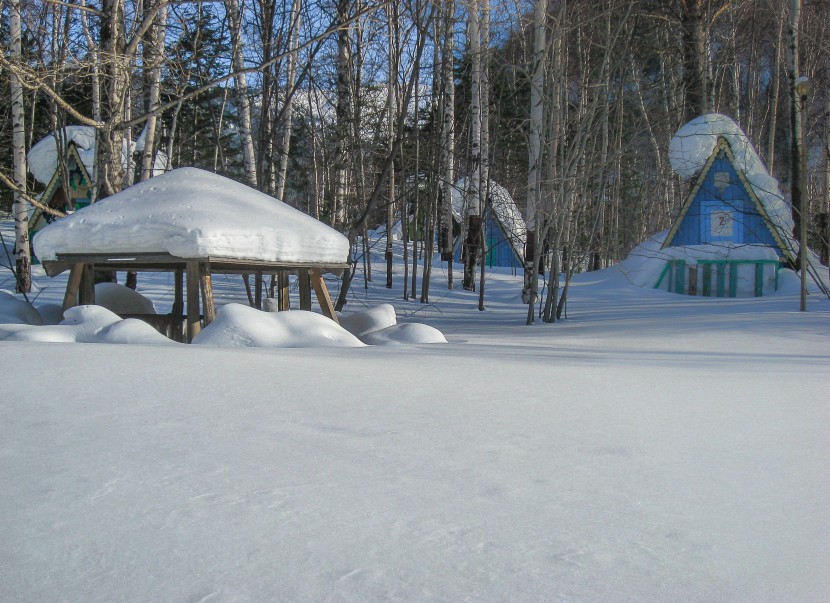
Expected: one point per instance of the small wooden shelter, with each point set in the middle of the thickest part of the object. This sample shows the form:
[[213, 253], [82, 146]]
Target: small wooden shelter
[[723, 211], [64, 194], [504, 227], [145, 229]]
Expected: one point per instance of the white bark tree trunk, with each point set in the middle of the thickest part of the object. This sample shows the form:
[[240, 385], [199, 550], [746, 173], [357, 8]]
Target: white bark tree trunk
[[241, 91], [291, 77], [22, 252]]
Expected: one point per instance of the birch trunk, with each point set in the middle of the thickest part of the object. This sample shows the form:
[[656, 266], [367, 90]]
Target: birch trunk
[[448, 136], [471, 230], [241, 91], [22, 253], [484, 174], [153, 53], [391, 94], [291, 78], [534, 160]]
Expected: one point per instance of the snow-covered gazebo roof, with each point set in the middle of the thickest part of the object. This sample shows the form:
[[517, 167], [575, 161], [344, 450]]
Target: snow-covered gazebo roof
[[190, 213], [193, 221]]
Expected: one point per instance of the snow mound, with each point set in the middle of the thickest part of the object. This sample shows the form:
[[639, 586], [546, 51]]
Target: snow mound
[[693, 145], [242, 326], [191, 213], [17, 311], [87, 324], [409, 333], [366, 321], [379, 326], [122, 300]]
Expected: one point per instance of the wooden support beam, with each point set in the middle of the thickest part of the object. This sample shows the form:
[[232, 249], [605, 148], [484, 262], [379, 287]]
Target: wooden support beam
[[73, 285], [285, 297], [692, 280], [323, 297], [305, 289], [193, 323], [86, 294], [258, 291], [178, 305], [207, 292]]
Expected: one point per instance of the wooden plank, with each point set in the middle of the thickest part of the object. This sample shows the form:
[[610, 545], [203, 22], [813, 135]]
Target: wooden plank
[[178, 305], [733, 279], [73, 285], [285, 297], [759, 280], [86, 294], [305, 289], [721, 279], [323, 297], [206, 287], [693, 280], [258, 291], [679, 277], [193, 324], [707, 280]]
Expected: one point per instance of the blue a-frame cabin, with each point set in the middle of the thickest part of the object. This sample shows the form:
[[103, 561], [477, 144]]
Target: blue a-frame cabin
[[722, 209]]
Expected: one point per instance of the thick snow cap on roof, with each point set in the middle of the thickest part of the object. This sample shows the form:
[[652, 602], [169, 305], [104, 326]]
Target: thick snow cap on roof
[[191, 213], [43, 156], [693, 145]]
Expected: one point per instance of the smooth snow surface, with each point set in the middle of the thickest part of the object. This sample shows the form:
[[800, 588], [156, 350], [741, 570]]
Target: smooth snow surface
[[122, 300], [191, 213], [651, 447], [694, 143]]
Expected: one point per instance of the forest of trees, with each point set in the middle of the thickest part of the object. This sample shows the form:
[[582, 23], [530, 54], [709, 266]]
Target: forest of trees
[[364, 113]]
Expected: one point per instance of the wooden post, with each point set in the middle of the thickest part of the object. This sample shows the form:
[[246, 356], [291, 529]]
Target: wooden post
[[692, 280], [178, 304], [193, 324], [323, 294], [70, 298], [305, 289], [285, 299], [86, 294], [258, 291], [707, 280], [207, 292]]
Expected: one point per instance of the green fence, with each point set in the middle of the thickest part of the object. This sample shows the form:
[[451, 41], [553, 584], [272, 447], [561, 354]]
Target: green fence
[[713, 278]]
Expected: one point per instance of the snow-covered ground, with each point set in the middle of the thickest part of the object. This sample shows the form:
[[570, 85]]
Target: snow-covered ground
[[651, 447]]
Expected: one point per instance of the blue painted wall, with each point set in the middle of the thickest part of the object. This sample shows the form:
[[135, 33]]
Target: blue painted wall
[[723, 211], [500, 252]]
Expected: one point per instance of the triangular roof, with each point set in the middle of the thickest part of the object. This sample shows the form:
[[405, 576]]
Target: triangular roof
[[504, 210], [71, 155], [723, 146]]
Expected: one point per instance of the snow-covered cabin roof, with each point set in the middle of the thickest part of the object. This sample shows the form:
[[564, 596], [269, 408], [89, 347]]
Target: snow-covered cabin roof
[[504, 209], [694, 143], [43, 156], [191, 213]]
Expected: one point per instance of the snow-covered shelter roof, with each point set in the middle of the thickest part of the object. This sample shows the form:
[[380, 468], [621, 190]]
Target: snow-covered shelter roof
[[43, 156], [503, 207], [190, 213], [693, 145]]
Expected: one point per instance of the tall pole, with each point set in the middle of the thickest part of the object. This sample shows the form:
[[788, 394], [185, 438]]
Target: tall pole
[[802, 89]]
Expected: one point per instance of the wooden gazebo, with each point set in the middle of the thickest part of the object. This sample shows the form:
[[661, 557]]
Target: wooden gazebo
[[172, 224]]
